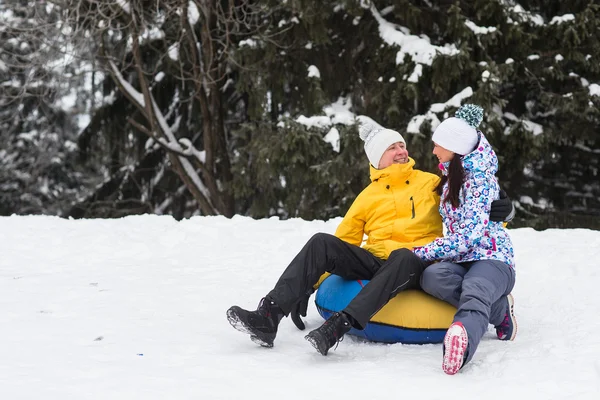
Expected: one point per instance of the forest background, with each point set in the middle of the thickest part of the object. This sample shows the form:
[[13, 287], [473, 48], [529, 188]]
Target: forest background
[[202, 107]]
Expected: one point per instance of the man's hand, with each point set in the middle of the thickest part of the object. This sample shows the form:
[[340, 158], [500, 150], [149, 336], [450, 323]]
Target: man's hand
[[502, 210], [299, 309]]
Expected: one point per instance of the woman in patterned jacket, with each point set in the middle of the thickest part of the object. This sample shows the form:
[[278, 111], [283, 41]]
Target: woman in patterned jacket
[[476, 267]]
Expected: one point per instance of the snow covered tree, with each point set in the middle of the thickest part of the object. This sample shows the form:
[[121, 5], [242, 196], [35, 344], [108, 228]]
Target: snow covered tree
[[533, 67], [171, 102], [248, 107], [39, 87]]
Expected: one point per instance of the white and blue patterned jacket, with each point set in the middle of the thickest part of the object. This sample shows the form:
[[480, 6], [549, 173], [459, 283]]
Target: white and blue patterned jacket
[[470, 235]]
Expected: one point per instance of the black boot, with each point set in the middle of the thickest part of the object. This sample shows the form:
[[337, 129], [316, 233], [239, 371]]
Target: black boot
[[261, 324], [327, 335]]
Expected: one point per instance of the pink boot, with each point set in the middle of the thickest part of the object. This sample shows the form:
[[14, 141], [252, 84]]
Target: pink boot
[[507, 330], [455, 346]]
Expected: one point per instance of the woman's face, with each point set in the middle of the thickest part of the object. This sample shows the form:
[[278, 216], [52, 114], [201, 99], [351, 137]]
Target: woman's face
[[441, 153], [395, 154]]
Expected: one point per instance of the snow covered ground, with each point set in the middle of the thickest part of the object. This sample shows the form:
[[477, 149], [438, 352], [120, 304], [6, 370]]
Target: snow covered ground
[[135, 308]]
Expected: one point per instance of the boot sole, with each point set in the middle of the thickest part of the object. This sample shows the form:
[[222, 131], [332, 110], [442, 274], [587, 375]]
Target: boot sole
[[239, 325], [455, 345], [316, 343], [511, 315]]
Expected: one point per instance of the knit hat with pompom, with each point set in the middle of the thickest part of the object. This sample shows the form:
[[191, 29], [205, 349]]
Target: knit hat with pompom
[[459, 134], [377, 139]]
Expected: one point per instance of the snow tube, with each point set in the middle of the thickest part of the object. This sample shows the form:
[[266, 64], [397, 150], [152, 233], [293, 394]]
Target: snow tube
[[412, 317]]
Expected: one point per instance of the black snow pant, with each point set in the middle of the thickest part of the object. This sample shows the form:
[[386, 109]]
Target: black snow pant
[[326, 253]]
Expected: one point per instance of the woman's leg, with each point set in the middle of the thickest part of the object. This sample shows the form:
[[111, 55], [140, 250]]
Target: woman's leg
[[444, 281], [484, 283]]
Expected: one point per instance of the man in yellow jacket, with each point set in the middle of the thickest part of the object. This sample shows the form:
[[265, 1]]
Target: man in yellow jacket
[[396, 212]]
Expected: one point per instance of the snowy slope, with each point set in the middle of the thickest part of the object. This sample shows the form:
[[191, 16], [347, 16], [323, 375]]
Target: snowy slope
[[135, 308]]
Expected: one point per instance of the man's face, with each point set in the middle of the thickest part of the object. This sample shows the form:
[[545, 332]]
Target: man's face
[[395, 154], [441, 153]]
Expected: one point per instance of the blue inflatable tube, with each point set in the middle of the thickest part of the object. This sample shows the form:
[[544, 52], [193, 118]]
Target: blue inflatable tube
[[412, 317]]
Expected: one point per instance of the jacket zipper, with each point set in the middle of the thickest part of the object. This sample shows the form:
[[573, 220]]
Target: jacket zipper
[[493, 239], [449, 217], [412, 202]]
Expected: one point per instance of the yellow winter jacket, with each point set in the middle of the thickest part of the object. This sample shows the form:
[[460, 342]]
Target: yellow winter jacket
[[399, 209]]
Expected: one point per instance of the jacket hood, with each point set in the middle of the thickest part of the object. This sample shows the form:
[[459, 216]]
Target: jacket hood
[[482, 159], [394, 171]]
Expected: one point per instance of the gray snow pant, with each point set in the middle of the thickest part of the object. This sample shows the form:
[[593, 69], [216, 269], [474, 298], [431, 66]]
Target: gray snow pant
[[326, 253], [477, 289]]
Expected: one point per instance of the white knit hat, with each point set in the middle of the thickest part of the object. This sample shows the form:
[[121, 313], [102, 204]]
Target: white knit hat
[[459, 134], [377, 139]]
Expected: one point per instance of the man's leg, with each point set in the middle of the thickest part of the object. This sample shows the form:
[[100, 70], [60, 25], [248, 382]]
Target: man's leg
[[485, 282], [444, 281], [401, 271], [322, 253]]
